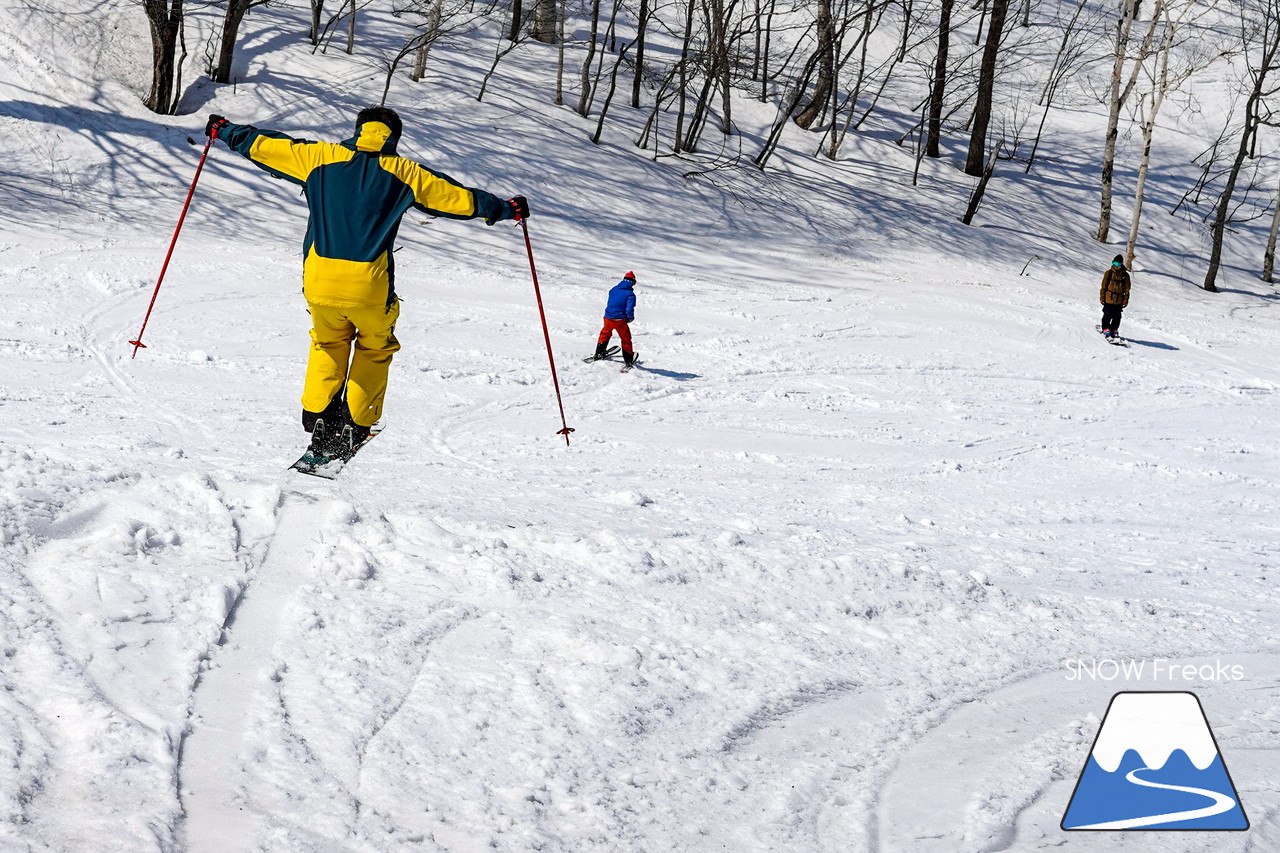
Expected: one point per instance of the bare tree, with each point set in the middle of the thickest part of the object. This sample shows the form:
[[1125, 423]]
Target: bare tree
[[584, 97], [165, 17], [236, 10], [317, 10], [1119, 94], [1269, 255], [1260, 31], [1174, 20], [517, 16], [545, 13], [685, 61], [642, 24], [980, 190], [560, 54], [431, 32], [826, 64], [608, 99], [1073, 53], [938, 85], [974, 165], [351, 29]]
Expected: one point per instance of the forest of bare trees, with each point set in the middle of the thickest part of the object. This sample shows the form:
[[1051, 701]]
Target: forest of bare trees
[[972, 82]]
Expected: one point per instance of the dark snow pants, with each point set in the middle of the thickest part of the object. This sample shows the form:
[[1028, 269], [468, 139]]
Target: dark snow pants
[[1111, 317]]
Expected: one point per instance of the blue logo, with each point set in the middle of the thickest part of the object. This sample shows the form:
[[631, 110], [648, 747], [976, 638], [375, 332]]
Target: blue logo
[[1155, 765]]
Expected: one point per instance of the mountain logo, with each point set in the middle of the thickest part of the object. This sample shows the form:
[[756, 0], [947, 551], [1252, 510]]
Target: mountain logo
[[1155, 765]]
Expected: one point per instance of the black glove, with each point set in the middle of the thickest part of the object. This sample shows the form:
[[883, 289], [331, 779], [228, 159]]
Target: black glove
[[520, 205], [215, 126]]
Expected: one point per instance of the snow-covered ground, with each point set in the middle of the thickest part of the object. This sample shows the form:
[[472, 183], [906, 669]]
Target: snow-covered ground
[[816, 577]]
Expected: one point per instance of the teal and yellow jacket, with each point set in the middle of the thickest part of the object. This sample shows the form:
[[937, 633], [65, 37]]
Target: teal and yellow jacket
[[357, 191]]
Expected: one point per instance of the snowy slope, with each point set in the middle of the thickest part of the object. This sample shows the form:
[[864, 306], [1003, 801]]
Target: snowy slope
[[806, 581]]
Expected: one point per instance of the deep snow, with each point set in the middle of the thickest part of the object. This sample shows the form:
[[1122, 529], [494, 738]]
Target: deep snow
[[809, 580]]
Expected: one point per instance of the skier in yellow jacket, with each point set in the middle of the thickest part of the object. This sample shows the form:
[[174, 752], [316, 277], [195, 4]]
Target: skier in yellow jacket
[[356, 192]]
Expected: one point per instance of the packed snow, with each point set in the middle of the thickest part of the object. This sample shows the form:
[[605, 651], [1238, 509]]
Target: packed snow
[[853, 561]]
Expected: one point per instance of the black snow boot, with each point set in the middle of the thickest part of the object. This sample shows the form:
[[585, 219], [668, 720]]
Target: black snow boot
[[601, 349], [628, 358], [333, 414], [358, 435]]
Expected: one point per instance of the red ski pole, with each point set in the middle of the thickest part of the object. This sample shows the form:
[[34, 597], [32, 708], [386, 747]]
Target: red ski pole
[[545, 334], [138, 342]]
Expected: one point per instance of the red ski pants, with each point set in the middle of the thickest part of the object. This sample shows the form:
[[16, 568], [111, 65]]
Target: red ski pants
[[619, 326]]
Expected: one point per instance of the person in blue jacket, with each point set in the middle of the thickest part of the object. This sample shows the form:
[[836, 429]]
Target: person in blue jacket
[[619, 311]]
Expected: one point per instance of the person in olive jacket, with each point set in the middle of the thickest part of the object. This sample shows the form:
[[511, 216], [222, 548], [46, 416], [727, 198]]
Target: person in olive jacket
[[1114, 296]]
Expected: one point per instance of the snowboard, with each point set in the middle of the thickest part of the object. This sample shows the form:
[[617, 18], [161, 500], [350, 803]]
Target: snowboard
[[607, 353], [1114, 340], [329, 467]]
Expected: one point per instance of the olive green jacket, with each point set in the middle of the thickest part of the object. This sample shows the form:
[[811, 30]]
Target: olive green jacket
[[1115, 287]]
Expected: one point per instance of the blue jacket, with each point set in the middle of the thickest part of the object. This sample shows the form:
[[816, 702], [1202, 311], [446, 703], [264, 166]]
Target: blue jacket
[[622, 302]]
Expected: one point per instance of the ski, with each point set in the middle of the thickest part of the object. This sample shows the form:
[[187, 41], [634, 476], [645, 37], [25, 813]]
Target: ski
[[607, 353], [329, 467]]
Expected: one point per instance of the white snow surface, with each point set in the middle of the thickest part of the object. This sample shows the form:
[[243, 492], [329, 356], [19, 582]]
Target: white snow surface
[[807, 580], [1154, 725]]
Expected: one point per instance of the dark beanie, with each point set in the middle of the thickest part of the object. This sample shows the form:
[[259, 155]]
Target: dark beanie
[[1118, 259]]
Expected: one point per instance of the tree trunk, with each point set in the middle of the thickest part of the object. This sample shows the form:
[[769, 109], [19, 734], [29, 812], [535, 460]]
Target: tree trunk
[[771, 143], [230, 31], [517, 12], [1267, 62], [980, 190], [429, 36], [608, 99], [1219, 227], [641, 25], [544, 22], [1269, 256], [317, 10], [351, 29], [933, 148], [986, 85], [1148, 130], [165, 17], [825, 52], [758, 32], [684, 61], [584, 98], [1128, 13], [1159, 88], [764, 59], [560, 16]]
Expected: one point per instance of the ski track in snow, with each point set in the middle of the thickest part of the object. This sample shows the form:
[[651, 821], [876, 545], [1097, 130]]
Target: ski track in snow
[[213, 759]]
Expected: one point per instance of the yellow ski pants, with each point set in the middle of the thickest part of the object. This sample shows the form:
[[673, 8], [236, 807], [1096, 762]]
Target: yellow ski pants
[[332, 362]]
